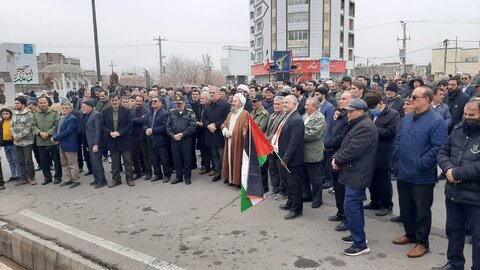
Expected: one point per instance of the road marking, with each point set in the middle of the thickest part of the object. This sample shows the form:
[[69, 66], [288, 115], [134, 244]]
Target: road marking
[[125, 251]]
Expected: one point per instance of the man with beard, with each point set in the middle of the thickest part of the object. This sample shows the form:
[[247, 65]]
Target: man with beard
[[455, 99], [233, 130], [298, 92], [197, 109], [141, 150]]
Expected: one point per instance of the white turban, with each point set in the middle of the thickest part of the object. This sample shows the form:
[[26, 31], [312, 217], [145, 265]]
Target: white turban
[[243, 87], [241, 98]]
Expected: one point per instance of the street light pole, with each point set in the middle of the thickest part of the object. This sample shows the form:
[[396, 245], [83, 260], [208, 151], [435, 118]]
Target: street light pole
[[95, 36]]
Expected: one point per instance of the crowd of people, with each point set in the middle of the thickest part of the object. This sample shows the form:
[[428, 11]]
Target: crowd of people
[[344, 136]]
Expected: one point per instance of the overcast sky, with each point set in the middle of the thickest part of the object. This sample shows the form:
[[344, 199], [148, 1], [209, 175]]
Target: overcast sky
[[126, 28]]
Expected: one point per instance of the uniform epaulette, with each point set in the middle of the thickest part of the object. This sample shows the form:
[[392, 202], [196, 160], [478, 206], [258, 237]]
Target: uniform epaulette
[[173, 110], [188, 109]]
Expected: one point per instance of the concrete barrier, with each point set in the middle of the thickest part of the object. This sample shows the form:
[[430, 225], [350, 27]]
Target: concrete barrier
[[35, 253]]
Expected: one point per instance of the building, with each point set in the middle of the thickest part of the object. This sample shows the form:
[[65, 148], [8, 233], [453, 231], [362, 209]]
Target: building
[[311, 29], [235, 64], [465, 60], [387, 69]]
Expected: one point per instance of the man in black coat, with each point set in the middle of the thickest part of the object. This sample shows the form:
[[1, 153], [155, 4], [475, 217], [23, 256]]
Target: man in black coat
[[290, 135], [155, 128], [456, 100], [354, 161], [386, 120], [141, 150], [332, 142], [213, 117], [117, 126], [299, 92], [459, 159]]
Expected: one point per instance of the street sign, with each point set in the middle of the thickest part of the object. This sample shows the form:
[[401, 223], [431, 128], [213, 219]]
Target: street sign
[[324, 67]]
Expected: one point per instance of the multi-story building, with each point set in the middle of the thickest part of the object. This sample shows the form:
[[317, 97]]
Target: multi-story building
[[464, 60], [310, 29]]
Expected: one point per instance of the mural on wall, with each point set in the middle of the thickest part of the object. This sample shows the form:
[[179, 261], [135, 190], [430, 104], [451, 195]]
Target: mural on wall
[[23, 63]]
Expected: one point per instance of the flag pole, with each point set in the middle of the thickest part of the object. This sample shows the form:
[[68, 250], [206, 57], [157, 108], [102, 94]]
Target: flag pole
[[282, 161]]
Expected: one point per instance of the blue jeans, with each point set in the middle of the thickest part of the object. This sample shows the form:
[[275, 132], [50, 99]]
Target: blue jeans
[[12, 162], [353, 205]]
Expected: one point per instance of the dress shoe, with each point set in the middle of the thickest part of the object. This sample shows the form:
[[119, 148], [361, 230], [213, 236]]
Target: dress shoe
[[114, 184], [292, 215], [212, 173], [216, 178], [148, 177], [88, 173], [156, 178], [225, 181], [93, 183], [383, 212], [280, 197], [402, 240], [204, 171], [284, 207], [231, 184], [176, 181], [371, 206], [447, 266], [326, 186], [341, 227], [188, 181], [57, 181], [335, 218], [418, 251], [137, 176], [166, 179], [32, 181], [75, 184], [100, 185], [396, 219], [46, 182], [21, 182], [130, 183], [316, 204], [66, 183], [38, 169]]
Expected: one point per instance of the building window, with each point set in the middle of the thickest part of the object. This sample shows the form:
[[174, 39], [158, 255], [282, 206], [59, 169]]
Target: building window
[[297, 17], [252, 30], [297, 2], [350, 25], [351, 10], [300, 52], [259, 11], [259, 27], [259, 42], [350, 55], [341, 53], [298, 35], [342, 4], [473, 59], [342, 20], [259, 56], [252, 43], [251, 2], [341, 37], [252, 56], [351, 40], [252, 16]]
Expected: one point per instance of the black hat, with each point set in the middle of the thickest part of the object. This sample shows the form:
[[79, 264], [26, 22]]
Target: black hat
[[392, 87], [89, 103], [416, 79], [346, 79]]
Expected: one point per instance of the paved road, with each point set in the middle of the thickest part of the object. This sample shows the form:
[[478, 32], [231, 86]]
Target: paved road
[[200, 227]]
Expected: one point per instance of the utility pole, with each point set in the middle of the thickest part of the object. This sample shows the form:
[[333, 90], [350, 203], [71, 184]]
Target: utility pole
[[446, 42], [159, 40], [403, 50], [95, 36], [112, 65]]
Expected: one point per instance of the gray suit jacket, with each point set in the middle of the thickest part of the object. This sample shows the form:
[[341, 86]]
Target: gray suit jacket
[[93, 129]]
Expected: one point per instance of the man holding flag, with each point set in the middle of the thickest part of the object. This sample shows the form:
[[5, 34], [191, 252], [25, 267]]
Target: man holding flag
[[286, 145]]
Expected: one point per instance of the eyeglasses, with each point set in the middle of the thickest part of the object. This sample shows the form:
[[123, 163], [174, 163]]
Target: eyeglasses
[[415, 97]]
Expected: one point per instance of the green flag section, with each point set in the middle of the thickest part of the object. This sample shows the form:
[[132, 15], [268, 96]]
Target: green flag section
[[255, 152]]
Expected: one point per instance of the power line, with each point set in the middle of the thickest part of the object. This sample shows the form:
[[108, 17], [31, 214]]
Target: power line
[[395, 55], [85, 46]]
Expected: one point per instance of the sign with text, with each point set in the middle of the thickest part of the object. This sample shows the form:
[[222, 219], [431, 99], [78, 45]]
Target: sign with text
[[23, 62], [324, 67]]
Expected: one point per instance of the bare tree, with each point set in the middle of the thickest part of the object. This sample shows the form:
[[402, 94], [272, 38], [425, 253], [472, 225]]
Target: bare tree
[[207, 66]]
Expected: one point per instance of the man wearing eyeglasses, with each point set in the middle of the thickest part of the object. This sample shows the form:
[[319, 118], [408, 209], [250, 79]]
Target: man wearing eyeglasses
[[467, 86], [455, 100], [418, 140]]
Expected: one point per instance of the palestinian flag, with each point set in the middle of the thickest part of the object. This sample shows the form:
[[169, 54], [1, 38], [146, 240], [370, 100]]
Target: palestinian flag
[[255, 151]]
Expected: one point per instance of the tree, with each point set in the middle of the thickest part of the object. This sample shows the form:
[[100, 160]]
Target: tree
[[113, 80], [207, 67]]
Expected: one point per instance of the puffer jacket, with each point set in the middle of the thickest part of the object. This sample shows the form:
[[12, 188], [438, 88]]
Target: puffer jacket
[[45, 122], [21, 127], [462, 154]]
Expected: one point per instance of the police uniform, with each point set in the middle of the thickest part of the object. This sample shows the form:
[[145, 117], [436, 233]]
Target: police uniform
[[183, 123]]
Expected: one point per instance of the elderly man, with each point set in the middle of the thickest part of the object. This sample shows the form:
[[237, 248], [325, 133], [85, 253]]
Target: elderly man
[[92, 133], [213, 117], [117, 127], [243, 89], [420, 136], [277, 179], [66, 134], [460, 160], [205, 152], [233, 130], [181, 125], [45, 120], [332, 142], [286, 141], [386, 120], [313, 150], [353, 160]]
